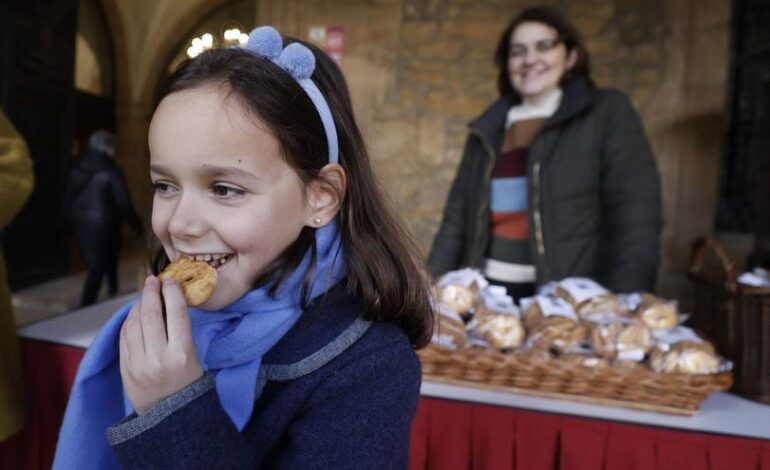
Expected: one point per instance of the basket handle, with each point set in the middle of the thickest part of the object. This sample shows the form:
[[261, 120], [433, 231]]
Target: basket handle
[[699, 253]]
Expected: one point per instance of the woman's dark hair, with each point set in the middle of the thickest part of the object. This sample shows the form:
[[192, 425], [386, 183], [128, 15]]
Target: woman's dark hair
[[381, 257], [567, 34]]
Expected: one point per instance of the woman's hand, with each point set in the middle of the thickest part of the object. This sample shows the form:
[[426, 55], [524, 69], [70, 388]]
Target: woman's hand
[[153, 364]]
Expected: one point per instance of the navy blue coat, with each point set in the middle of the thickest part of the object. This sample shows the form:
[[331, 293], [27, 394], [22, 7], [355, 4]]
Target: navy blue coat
[[339, 392]]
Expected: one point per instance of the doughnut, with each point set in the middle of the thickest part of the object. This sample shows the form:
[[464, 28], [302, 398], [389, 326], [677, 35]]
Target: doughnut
[[196, 278]]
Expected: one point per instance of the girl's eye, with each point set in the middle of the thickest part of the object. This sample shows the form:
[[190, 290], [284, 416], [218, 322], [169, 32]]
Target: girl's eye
[[162, 187], [227, 192]]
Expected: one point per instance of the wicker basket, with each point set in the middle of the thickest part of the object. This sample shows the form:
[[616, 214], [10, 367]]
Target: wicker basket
[[736, 317], [637, 387]]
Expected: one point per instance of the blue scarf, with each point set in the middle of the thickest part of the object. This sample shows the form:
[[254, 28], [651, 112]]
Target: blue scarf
[[230, 343]]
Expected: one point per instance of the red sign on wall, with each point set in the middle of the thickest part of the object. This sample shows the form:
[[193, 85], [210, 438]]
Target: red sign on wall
[[335, 42]]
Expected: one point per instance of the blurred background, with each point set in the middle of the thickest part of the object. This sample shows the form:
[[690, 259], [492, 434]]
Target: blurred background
[[698, 71]]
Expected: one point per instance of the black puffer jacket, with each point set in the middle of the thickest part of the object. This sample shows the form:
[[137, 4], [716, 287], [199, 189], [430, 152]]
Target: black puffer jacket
[[97, 191], [594, 193]]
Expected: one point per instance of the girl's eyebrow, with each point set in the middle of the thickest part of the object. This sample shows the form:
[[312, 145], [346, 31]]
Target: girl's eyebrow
[[160, 169], [210, 171], [213, 171]]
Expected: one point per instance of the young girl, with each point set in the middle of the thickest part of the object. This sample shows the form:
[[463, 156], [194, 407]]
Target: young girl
[[303, 357]]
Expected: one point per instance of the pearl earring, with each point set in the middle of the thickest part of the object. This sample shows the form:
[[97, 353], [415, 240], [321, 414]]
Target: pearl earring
[[317, 221]]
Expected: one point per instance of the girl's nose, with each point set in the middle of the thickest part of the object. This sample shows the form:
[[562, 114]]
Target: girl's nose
[[187, 220]]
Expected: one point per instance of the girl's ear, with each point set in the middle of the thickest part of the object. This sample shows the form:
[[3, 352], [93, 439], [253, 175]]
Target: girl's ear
[[325, 195]]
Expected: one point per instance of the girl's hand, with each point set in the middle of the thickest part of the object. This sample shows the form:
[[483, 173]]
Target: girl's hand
[[154, 365]]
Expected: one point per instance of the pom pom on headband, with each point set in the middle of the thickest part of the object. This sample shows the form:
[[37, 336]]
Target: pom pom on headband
[[265, 41], [299, 62]]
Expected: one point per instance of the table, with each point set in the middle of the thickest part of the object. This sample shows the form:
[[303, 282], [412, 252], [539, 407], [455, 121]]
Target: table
[[455, 427]]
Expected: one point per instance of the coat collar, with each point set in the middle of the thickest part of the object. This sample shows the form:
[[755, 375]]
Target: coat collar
[[328, 326], [578, 95]]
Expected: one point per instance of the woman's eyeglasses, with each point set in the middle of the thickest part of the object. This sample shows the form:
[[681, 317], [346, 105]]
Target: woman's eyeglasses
[[541, 47]]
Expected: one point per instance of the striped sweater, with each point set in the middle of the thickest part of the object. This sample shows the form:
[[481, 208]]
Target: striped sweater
[[508, 254]]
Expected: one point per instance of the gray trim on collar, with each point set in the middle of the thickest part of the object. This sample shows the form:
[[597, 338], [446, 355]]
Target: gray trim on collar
[[134, 425], [313, 362]]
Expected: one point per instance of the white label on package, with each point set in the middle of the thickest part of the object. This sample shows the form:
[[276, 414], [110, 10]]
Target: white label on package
[[676, 335], [635, 355], [582, 288], [499, 302], [554, 306], [463, 277], [446, 341]]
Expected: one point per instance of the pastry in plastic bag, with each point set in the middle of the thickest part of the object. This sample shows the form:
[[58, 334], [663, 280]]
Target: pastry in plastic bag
[[685, 357], [532, 314], [601, 304], [657, 313], [501, 330], [459, 290], [557, 333], [578, 290], [449, 328], [627, 339], [534, 309], [459, 298]]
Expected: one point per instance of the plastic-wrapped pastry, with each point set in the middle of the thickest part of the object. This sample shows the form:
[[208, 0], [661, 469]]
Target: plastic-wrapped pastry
[[601, 304], [556, 333], [620, 338], [497, 320], [534, 309], [459, 290], [578, 290], [657, 313], [502, 331], [685, 357], [449, 328], [459, 298], [531, 313]]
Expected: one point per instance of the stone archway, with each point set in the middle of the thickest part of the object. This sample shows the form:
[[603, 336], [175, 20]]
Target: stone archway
[[144, 37]]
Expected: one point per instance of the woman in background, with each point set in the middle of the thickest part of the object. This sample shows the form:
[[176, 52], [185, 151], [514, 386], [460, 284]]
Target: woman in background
[[557, 178]]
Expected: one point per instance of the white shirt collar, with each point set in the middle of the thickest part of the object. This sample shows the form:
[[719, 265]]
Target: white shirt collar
[[525, 110]]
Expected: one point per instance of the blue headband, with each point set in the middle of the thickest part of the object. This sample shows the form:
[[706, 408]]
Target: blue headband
[[299, 62]]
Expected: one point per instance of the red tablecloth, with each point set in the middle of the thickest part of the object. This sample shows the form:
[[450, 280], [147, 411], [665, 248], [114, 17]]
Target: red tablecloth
[[451, 435], [50, 370], [446, 435]]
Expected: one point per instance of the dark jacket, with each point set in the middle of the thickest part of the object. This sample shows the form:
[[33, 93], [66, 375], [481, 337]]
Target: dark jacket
[[594, 202], [97, 191], [340, 393]]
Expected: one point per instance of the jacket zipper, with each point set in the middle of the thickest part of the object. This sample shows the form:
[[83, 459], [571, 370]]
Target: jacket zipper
[[536, 211], [536, 217], [487, 179]]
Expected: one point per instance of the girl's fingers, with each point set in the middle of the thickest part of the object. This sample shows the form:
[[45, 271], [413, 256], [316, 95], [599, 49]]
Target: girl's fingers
[[131, 334], [153, 329], [177, 317]]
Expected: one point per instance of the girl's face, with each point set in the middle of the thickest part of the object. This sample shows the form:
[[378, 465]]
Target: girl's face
[[222, 188], [537, 60]]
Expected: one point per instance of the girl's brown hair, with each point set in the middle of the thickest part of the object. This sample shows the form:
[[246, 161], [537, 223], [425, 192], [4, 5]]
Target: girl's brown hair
[[567, 35], [381, 257]]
